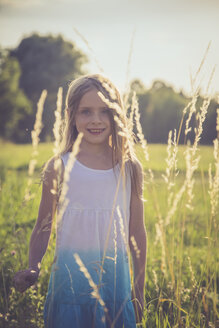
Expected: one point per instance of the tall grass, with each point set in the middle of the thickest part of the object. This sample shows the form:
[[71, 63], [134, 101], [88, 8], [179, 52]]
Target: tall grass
[[198, 252], [181, 217]]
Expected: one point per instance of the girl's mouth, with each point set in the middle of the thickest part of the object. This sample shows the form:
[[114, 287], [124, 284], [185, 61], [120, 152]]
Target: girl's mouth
[[96, 131]]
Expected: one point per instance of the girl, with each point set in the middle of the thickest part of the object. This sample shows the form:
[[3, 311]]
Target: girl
[[99, 213]]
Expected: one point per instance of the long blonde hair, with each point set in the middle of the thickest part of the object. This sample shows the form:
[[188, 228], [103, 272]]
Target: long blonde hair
[[121, 139]]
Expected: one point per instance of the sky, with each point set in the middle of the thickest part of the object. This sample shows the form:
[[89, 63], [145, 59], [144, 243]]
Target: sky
[[160, 39]]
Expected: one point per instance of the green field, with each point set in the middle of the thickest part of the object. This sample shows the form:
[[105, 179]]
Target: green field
[[182, 260], [18, 156]]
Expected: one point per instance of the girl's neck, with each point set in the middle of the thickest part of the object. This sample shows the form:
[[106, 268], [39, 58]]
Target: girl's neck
[[95, 149], [96, 157]]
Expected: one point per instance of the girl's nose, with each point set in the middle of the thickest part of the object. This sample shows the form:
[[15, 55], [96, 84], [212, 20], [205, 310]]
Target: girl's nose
[[96, 118]]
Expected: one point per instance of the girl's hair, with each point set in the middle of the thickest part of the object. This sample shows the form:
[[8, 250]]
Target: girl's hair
[[121, 140]]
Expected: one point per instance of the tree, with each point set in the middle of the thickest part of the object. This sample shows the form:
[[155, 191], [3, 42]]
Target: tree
[[161, 110], [209, 126], [15, 108], [47, 62]]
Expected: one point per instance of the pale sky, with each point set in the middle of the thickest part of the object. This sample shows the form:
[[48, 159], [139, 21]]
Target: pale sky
[[170, 36]]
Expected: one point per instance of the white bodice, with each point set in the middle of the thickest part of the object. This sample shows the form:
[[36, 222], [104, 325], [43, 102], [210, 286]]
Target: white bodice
[[94, 197]]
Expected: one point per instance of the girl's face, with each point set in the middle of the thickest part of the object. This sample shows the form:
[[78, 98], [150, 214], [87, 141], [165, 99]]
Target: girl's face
[[92, 118]]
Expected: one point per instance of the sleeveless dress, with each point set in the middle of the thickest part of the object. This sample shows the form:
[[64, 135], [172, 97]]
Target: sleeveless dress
[[90, 279]]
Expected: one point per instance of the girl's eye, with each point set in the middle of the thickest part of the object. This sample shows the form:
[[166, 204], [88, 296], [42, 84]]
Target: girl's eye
[[85, 112], [105, 111]]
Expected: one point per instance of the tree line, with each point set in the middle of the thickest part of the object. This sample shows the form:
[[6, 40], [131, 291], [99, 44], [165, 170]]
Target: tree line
[[48, 62]]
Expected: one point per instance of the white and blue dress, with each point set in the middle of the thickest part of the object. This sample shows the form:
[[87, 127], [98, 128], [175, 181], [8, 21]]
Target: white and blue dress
[[90, 280]]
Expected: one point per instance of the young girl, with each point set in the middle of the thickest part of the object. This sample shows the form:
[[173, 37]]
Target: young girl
[[99, 215]]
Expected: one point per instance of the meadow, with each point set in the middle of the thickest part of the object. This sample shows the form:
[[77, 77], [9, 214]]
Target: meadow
[[181, 218]]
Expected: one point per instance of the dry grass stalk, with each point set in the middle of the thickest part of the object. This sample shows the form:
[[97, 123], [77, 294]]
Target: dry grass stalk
[[190, 154], [115, 262], [214, 181], [193, 80], [38, 122], [150, 183], [132, 112], [95, 293], [115, 242], [192, 106], [160, 236], [63, 201], [70, 277], [192, 160], [124, 131], [210, 79], [110, 104], [122, 228], [135, 246], [44, 224], [127, 85], [191, 103], [108, 88], [58, 123], [175, 202], [107, 239], [140, 135], [217, 123], [194, 282], [195, 94], [108, 231], [120, 119], [35, 141], [57, 141], [200, 118], [191, 165], [155, 280], [90, 49], [171, 169]]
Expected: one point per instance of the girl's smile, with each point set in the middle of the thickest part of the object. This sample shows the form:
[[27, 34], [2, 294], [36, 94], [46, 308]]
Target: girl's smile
[[96, 131]]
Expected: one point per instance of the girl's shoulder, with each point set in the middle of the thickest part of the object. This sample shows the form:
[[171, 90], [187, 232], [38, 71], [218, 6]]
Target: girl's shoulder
[[53, 169], [135, 165], [137, 176]]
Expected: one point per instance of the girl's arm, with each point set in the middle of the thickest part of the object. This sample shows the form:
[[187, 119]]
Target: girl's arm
[[138, 245], [42, 230]]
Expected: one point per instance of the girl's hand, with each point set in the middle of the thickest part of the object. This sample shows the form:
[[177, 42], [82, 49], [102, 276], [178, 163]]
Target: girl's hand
[[24, 279]]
